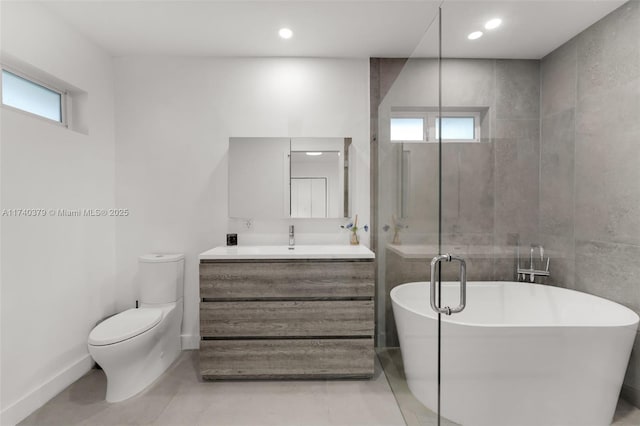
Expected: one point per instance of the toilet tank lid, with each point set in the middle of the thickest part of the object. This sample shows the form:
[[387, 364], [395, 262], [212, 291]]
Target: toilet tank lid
[[124, 325], [161, 257]]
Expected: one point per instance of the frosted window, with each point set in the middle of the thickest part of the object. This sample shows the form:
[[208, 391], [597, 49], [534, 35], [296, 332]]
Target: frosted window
[[456, 128], [407, 129], [28, 96]]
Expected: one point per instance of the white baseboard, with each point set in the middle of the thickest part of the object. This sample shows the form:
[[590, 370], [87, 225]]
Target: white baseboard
[[36, 398], [189, 341]]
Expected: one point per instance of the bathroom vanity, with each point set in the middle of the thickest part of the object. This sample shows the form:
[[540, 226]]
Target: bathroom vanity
[[271, 312]]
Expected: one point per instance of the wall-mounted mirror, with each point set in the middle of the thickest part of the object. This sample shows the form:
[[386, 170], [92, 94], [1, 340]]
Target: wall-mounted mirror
[[289, 177]]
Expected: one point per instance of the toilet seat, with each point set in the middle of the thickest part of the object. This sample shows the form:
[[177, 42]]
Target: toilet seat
[[124, 325]]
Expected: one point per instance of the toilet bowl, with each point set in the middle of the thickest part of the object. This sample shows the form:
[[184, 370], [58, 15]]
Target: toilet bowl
[[136, 346]]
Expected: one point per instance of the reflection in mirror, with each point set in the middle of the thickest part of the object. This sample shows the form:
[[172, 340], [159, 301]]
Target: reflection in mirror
[[315, 184], [319, 177], [273, 178]]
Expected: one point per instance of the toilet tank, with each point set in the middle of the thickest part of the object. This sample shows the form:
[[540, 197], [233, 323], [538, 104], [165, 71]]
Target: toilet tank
[[161, 277]]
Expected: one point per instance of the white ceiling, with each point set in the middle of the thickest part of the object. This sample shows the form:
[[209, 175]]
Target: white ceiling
[[360, 29]]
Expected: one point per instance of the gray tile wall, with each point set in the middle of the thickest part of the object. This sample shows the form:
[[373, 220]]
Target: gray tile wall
[[562, 168], [590, 164], [489, 190], [517, 158]]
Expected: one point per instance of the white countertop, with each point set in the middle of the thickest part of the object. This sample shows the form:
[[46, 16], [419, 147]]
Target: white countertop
[[285, 252]]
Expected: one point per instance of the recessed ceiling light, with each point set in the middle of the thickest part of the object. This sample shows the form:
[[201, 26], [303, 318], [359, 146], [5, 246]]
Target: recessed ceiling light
[[314, 153], [474, 35], [493, 23], [285, 33]]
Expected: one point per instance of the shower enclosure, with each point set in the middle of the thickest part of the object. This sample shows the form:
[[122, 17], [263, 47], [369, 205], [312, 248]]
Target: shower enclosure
[[485, 150]]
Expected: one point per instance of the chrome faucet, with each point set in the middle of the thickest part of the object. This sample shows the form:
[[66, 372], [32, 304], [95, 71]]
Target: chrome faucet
[[533, 247], [532, 272], [292, 237]]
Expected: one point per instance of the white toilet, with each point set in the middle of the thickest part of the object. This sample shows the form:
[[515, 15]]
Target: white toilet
[[136, 346]]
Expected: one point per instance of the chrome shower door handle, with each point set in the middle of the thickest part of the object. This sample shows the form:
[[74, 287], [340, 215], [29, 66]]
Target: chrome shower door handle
[[434, 263], [463, 284]]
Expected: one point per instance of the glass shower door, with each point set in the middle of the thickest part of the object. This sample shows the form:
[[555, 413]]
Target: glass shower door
[[407, 219], [491, 133], [487, 129]]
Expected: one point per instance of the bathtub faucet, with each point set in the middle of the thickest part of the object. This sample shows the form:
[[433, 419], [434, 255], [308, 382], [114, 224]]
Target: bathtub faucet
[[532, 272], [533, 247], [292, 236]]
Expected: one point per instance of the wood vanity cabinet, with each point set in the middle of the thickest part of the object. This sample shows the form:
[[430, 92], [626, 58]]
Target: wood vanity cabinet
[[275, 319]]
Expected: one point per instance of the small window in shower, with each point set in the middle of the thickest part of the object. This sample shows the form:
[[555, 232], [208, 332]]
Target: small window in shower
[[456, 127], [408, 129], [415, 126]]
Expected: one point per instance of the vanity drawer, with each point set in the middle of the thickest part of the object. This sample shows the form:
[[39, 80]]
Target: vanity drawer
[[286, 358], [291, 280], [287, 318]]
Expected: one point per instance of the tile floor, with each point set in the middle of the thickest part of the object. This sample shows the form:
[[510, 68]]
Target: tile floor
[[416, 414], [180, 398]]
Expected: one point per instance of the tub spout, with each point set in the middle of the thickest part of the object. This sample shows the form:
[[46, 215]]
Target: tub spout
[[533, 248], [532, 271], [292, 237]]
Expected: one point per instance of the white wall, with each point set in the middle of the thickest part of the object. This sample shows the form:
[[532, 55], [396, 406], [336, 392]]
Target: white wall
[[57, 273], [174, 117]]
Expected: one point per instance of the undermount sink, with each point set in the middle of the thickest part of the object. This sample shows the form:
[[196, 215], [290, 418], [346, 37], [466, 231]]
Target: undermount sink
[[288, 252]]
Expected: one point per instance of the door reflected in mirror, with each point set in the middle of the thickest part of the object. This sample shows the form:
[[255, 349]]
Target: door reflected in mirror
[[309, 197], [316, 182]]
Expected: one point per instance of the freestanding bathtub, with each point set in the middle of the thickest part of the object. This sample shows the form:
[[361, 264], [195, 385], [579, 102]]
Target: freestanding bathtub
[[519, 354]]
